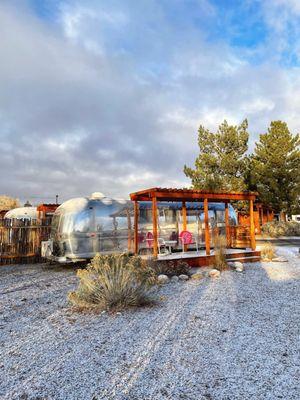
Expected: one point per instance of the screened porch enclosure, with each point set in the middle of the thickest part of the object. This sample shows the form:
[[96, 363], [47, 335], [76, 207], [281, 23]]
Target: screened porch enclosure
[[170, 222], [200, 214]]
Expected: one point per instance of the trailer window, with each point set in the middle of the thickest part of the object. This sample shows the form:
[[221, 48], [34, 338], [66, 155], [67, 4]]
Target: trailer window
[[83, 221]]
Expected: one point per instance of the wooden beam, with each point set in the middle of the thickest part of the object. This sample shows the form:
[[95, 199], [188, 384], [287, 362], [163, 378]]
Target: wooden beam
[[136, 228], [227, 226], [252, 226], [154, 220], [207, 235]]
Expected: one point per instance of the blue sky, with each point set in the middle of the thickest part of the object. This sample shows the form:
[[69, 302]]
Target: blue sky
[[108, 95], [240, 24]]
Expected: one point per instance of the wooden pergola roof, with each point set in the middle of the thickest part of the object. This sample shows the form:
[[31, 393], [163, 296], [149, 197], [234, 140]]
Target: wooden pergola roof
[[170, 194]]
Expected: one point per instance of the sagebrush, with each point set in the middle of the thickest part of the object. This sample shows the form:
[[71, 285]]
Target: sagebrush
[[268, 251], [220, 245], [280, 228], [114, 282]]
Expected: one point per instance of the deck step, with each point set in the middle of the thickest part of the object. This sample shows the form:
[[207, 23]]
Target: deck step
[[245, 259], [245, 253]]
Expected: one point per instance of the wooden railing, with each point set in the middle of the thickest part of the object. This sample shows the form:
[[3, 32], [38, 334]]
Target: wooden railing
[[20, 240], [240, 236]]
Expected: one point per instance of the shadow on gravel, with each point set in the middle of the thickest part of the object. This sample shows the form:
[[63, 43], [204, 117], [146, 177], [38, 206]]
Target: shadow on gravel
[[24, 269], [63, 267]]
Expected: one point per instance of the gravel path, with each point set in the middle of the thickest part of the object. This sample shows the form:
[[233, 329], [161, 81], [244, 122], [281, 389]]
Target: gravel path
[[236, 337]]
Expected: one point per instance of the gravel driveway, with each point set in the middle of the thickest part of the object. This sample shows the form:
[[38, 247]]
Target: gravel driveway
[[236, 337]]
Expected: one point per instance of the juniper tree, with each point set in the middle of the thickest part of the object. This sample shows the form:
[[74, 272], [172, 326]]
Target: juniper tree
[[276, 167], [221, 162], [7, 203]]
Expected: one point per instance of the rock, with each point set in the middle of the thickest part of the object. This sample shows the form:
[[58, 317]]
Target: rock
[[214, 273], [239, 268], [174, 278], [193, 271], [197, 276], [205, 271], [162, 279], [235, 264], [183, 277]]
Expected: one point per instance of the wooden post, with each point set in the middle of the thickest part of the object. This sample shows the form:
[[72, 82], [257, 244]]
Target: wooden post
[[227, 227], [262, 215], [154, 220], [129, 240], [252, 226], [282, 216], [136, 227], [268, 215], [207, 236], [184, 223]]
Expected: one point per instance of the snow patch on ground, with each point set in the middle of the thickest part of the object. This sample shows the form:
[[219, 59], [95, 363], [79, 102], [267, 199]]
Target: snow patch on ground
[[236, 337]]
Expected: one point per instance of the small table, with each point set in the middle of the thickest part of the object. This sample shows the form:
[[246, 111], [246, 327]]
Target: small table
[[170, 243]]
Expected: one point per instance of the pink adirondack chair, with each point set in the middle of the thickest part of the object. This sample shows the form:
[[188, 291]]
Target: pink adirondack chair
[[150, 241], [186, 239]]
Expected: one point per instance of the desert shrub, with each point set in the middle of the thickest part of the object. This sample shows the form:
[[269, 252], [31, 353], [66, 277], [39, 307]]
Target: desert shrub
[[169, 268], [279, 228], [114, 282], [268, 251], [220, 245]]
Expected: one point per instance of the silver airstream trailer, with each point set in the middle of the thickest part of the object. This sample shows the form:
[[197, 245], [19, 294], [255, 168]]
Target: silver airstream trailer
[[82, 227]]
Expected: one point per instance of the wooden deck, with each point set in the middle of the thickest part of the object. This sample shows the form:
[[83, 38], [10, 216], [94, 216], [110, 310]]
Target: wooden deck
[[200, 259]]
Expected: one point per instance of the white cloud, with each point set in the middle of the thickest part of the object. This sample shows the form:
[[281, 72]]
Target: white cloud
[[112, 101]]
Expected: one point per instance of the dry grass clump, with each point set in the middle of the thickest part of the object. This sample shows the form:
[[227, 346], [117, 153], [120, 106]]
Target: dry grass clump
[[268, 252], [220, 244], [169, 268], [279, 228], [113, 282]]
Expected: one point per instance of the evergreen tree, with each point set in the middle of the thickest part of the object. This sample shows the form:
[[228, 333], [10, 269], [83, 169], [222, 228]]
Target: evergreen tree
[[222, 161], [7, 203], [276, 167]]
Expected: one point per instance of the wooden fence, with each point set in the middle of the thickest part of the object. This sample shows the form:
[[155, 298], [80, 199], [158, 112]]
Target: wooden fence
[[20, 240]]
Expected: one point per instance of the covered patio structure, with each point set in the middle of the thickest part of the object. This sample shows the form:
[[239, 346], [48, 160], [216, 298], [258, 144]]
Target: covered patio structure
[[156, 195]]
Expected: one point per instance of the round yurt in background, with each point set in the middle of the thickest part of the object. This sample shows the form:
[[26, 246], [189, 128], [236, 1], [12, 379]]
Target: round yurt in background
[[22, 213]]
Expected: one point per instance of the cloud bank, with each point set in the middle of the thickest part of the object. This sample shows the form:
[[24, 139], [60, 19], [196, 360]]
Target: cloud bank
[[109, 97]]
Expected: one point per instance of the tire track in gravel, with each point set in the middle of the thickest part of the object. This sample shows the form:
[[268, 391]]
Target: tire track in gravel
[[172, 362], [165, 322], [57, 344]]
